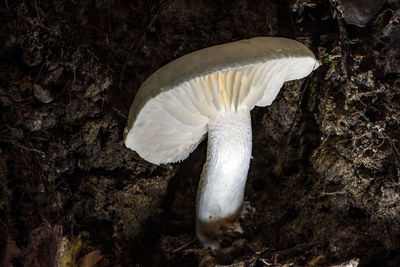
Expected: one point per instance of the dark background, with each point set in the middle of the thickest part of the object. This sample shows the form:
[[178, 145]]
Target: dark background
[[324, 182]]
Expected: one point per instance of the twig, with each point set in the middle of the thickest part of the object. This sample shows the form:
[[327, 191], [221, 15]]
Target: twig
[[184, 246], [26, 148], [120, 113], [391, 141], [265, 262]]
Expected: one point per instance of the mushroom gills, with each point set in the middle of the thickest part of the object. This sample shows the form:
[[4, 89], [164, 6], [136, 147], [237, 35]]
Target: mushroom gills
[[193, 103]]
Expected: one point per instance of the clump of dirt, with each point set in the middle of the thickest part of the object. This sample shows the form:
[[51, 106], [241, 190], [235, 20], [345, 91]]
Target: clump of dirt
[[323, 185]]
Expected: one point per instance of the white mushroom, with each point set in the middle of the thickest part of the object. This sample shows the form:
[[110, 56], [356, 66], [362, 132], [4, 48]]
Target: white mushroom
[[213, 90]]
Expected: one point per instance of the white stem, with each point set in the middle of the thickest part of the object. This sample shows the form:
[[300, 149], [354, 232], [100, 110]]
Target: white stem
[[221, 190]]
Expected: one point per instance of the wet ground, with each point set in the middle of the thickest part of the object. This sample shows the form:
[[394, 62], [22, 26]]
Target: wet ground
[[324, 180]]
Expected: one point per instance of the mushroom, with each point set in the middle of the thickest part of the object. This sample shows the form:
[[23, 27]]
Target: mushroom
[[213, 90]]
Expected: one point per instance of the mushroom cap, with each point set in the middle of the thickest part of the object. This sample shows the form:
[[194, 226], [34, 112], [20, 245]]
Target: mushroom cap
[[169, 115]]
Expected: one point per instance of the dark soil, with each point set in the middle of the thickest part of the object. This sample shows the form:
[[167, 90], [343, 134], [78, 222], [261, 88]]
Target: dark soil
[[324, 184]]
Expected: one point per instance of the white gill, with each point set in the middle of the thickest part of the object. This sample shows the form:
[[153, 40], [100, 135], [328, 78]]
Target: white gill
[[186, 110]]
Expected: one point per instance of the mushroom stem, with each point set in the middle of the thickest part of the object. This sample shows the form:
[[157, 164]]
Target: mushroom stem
[[221, 190]]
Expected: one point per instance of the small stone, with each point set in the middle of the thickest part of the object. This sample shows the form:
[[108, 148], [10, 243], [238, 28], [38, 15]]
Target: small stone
[[360, 12], [41, 94]]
